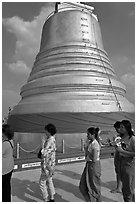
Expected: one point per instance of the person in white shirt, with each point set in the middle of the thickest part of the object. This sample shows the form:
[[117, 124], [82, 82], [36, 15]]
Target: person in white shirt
[[7, 162], [90, 180]]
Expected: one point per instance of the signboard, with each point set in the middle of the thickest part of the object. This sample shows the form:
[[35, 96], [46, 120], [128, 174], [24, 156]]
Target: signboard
[[31, 165], [71, 159], [15, 166]]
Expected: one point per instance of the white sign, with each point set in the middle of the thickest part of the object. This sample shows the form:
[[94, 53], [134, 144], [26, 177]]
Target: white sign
[[15, 166], [31, 165], [71, 159]]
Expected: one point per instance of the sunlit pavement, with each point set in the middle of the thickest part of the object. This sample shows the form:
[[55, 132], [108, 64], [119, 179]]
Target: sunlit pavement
[[25, 184]]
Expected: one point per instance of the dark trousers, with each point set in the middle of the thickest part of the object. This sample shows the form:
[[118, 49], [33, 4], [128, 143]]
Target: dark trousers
[[6, 187]]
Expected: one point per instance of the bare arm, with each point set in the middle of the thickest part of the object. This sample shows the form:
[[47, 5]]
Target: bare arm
[[95, 155]]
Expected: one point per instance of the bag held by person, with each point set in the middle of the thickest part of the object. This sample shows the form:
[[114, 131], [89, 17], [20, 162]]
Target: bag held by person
[[39, 154]]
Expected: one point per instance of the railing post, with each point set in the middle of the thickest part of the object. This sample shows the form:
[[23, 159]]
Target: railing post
[[63, 147], [82, 145], [18, 149]]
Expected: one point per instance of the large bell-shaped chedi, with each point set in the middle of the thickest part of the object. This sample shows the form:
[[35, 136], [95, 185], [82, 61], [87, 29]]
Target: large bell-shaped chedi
[[72, 83]]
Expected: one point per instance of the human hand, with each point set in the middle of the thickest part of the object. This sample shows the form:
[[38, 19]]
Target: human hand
[[119, 149]]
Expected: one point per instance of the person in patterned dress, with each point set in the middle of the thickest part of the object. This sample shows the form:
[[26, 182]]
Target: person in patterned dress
[[48, 164]]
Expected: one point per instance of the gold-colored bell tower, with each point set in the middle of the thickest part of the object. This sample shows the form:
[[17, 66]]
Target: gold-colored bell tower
[[72, 79]]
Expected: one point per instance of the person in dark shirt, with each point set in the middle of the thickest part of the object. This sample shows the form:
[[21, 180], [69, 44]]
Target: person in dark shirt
[[7, 161], [127, 161], [117, 163]]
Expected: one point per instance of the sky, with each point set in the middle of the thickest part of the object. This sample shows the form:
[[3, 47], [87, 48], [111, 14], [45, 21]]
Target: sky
[[22, 24]]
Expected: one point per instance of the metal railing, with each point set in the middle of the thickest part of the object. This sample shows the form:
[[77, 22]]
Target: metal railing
[[62, 146]]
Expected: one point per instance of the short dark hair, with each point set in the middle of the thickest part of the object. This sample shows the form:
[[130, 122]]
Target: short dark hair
[[51, 129], [8, 131], [97, 130], [117, 124], [91, 130]]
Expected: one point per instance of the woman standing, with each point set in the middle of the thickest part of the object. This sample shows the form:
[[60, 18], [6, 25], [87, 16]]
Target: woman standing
[[127, 161], [48, 164], [117, 160], [90, 179], [7, 162]]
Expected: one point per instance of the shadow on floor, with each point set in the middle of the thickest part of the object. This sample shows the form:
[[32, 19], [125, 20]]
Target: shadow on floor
[[29, 191]]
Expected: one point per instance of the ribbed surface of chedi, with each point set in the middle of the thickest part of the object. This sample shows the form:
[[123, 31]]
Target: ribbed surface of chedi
[[72, 73]]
